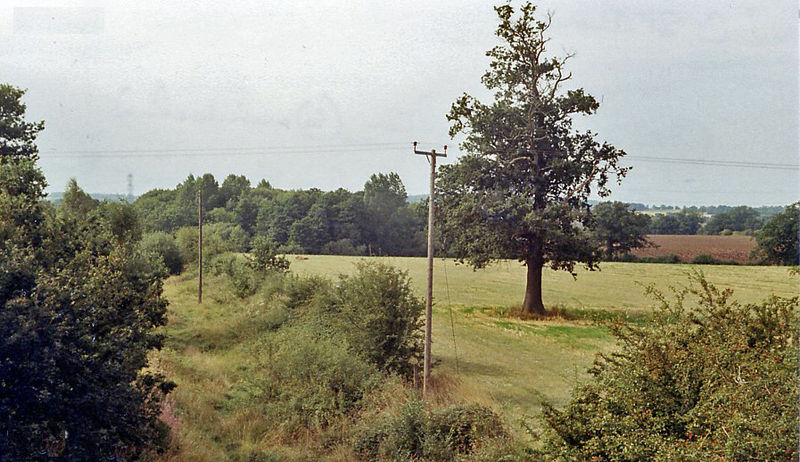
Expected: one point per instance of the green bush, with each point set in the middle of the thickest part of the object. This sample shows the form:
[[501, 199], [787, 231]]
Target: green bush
[[460, 426], [343, 247], [234, 238], [187, 240], [163, 245], [669, 258], [706, 259], [379, 315], [310, 379], [301, 291], [264, 257], [414, 433], [713, 381]]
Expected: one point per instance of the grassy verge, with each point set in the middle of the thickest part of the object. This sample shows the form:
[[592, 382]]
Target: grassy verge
[[482, 355]]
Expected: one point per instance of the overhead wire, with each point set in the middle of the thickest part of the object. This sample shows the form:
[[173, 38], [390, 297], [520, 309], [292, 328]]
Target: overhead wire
[[352, 148]]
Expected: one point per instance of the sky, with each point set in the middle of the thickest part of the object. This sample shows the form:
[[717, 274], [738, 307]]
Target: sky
[[703, 96]]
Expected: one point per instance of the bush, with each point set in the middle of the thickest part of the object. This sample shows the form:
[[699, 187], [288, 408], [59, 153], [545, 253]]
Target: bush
[[301, 291], [343, 247], [717, 381], [444, 434], [310, 379], [264, 257], [669, 258], [163, 245], [379, 315], [187, 241], [234, 238], [706, 259]]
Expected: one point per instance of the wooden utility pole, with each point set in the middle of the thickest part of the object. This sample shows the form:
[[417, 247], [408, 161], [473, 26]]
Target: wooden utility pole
[[200, 245], [431, 155]]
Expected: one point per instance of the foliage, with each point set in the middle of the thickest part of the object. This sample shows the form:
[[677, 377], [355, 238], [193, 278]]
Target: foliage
[[235, 238], [309, 380], [187, 240], [75, 202], [740, 218], [376, 310], [713, 381], [263, 256], [416, 434], [618, 229], [683, 222], [163, 245], [376, 220], [778, 239], [521, 191], [706, 259], [78, 305]]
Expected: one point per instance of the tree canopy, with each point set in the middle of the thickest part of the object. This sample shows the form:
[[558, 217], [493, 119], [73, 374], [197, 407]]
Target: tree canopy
[[78, 305], [522, 189], [618, 229], [778, 239]]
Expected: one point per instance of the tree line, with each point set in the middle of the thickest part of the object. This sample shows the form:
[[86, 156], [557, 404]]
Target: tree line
[[377, 220]]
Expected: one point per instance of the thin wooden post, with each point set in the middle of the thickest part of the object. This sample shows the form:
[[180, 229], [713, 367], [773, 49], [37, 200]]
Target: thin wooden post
[[200, 246], [426, 375]]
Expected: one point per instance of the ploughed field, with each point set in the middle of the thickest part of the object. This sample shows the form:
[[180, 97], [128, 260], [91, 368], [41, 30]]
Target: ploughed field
[[686, 247], [481, 354]]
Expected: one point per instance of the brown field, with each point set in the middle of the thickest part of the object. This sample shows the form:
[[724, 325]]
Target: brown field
[[736, 248]]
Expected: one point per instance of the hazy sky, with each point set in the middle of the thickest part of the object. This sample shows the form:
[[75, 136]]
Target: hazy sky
[[323, 94]]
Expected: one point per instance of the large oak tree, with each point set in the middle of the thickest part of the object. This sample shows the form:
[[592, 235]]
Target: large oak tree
[[522, 189]]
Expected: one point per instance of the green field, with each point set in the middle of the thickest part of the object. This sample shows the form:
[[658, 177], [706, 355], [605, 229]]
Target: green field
[[481, 355], [616, 287]]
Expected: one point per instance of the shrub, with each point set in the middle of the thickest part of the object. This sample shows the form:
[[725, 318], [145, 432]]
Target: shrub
[[233, 237], [186, 238], [163, 245], [461, 425], [669, 258], [716, 381], [300, 291], [444, 434], [706, 259], [264, 257], [379, 315], [343, 247], [310, 379]]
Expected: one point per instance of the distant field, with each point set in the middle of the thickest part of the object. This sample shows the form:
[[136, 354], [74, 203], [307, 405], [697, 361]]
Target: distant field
[[736, 248]]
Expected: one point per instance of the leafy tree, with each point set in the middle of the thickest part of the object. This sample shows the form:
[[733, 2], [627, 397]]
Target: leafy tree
[[683, 222], [522, 189], [21, 183], [76, 202], [742, 218], [232, 189], [264, 257], [77, 312], [709, 379], [123, 221], [163, 245], [311, 231], [619, 229], [777, 240]]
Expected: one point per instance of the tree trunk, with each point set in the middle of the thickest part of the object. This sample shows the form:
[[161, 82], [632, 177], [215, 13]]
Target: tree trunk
[[533, 287]]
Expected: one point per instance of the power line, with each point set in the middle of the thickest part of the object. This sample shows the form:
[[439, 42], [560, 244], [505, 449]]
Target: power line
[[718, 163], [353, 148]]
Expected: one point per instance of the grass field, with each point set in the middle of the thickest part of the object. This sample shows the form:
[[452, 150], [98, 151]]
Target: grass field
[[481, 355]]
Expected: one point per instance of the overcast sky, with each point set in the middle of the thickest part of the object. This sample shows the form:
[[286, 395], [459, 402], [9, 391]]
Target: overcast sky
[[323, 94]]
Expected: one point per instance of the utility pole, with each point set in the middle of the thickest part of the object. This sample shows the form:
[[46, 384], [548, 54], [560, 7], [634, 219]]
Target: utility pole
[[431, 155], [200, 245]]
